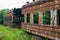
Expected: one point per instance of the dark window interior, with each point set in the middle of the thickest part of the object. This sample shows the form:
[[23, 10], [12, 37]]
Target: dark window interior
[[28, 18], [46, 17], [5, 18], [58, 17], [10, 18], [36, 17], [22, 18]]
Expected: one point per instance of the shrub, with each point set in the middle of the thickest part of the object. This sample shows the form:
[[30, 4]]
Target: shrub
[[7, 33]]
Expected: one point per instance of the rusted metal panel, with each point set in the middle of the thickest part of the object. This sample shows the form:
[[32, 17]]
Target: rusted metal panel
[[56, 2], [52, 7], [46, 4], [35, 3], [56, 6], [8, 19], [43, 30], [41, 7], [59, 1], [37, 7]]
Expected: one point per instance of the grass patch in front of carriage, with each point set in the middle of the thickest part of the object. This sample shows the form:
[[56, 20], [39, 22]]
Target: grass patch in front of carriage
[[7, 33]]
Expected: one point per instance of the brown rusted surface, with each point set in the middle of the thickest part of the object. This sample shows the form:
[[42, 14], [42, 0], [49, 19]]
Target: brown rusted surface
[[43, 30], [8, 18], [35, 3], [42, 7]]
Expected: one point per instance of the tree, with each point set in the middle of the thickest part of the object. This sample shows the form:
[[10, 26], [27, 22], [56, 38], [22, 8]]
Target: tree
[[2, 12]]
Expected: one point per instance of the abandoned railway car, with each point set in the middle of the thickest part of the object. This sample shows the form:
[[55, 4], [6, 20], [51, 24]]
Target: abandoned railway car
[[13, 18], [42, 17]]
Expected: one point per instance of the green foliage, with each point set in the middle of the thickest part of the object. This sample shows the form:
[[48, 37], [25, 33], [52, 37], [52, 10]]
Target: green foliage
[[46, 17], [36, 17], [2, 12], [28, 18], [22, 18], [46, 38], [7, 33]]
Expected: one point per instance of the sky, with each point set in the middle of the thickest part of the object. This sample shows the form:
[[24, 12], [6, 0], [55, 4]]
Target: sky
[[11, 4]]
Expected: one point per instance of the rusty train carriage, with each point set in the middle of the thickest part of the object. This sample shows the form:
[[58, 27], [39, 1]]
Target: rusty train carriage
[[52, 30], [12, 18], [8, 18]]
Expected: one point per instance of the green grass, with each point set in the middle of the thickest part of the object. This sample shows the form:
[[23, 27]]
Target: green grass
[[7, 33]]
